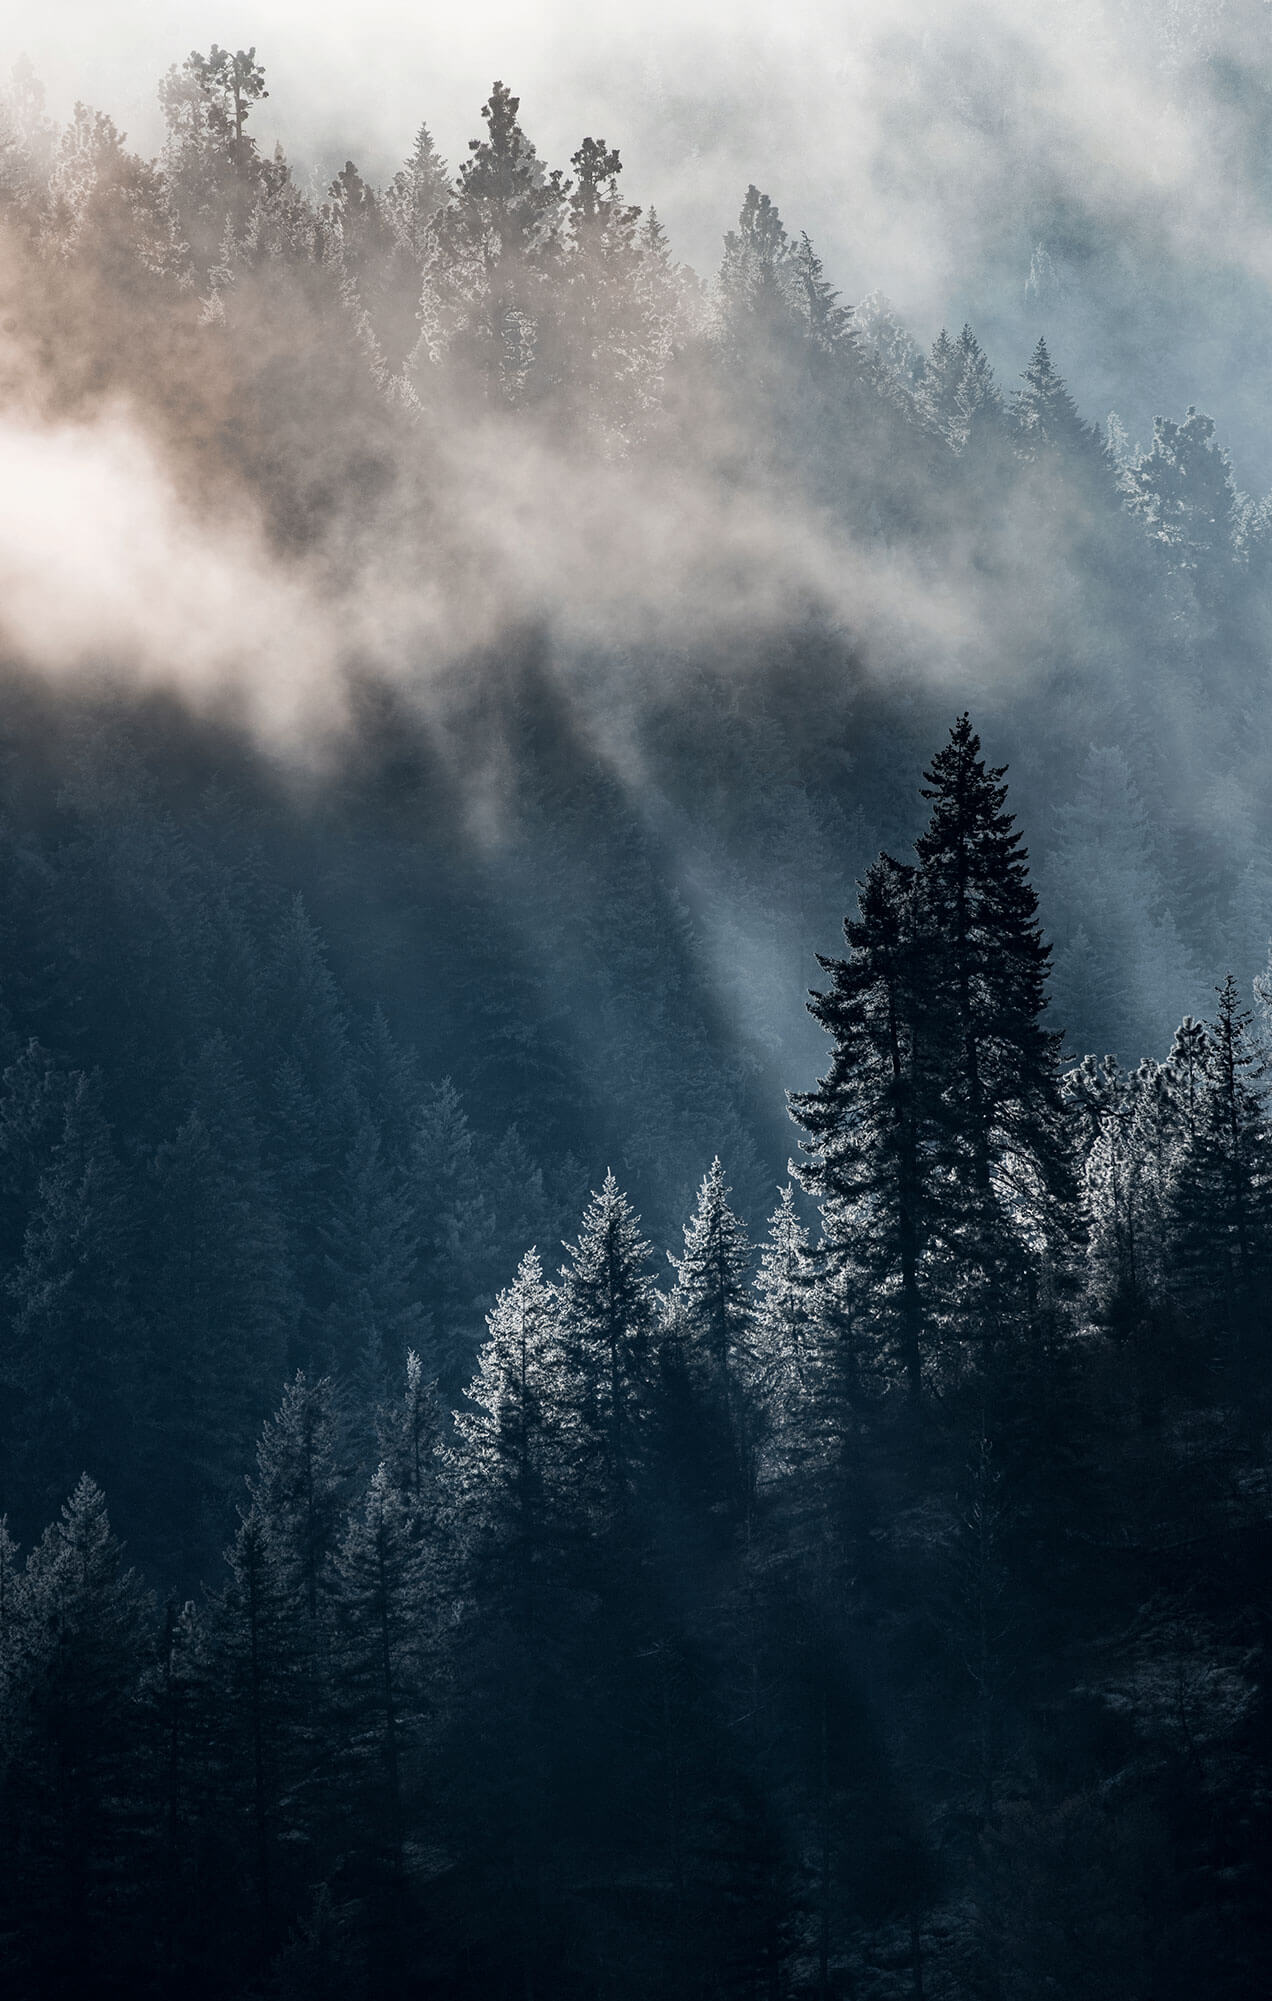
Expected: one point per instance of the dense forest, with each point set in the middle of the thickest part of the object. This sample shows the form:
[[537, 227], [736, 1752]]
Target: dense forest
[[458, 668]]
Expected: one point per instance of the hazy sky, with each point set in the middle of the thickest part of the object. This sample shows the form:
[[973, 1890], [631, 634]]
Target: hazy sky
[[932, 148]]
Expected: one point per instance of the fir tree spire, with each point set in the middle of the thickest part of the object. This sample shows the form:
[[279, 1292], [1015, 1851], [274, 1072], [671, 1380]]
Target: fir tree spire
[[712, 1280], [607, 1306]]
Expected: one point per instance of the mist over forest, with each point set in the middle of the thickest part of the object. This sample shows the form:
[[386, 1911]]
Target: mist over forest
[[538, 1456]]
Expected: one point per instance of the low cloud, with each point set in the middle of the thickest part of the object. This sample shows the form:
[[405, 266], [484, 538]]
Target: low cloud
[[104, 570]]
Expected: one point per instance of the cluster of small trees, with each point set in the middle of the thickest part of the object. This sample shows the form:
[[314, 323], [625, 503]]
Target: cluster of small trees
[[845, 1614], [533, 288], [284, 1192]]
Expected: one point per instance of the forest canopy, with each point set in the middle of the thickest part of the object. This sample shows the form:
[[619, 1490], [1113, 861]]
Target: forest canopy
[[458, 667]]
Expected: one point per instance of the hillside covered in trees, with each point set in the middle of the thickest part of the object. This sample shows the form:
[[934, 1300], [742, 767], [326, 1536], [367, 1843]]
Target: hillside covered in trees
[[459, 668]]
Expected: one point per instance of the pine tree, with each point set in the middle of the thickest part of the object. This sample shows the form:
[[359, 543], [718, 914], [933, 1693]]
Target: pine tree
[[261, 1710], [218, 1297], [784, 1343], [1046, 419], [32, 1109], [282, 230], [408, 1433], [374, 1314], [712, 1302], [1182, 489], [897, 358], [384, 1617], [211, 162], [875, 1132], [180, 1774], [107, 208], [11, 1629], [706, 1359], [1222, 1248], [1129, 1155], [755, 272], [494, 245], [76, 1780], [311, 1096], [314, 1080], [74, 1330], [512, 1449], [355, 233], [456, 1242], [525, 1508], [390, 1086], [1008, 1166], [1188, 1068], [979, 417], [612, 343], [298, 1491], [1130, 1147], [607, 1320], [278, 1620], [419, 188], [939, 387], [815, 302], [231, 85], [938, 1140], [789, 346]]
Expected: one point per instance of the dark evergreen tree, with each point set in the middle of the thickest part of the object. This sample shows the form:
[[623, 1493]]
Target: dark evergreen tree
[[1046, 418], [607, 1320], [754, 274], [612, 349], [1222, 1204], [938, 391], [815, 302], [174, 1726], [390, 1086], [785, 1344], [72, 1786], [712, 1302], [875, 1125], [31, 1115], [496, 241], [374, 1314], [408, 1433], [1183, 491], [384, 1629], [213, 168], [298, 1491], [1187, 1069], [313, 1104], [1004, 1140], [261, 1710], [218, 1298], [788, 346], [12, 1631], [74, 1347], [420, 187], [978, 417], [351, 218], [456, 1241], [510, 1449]]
